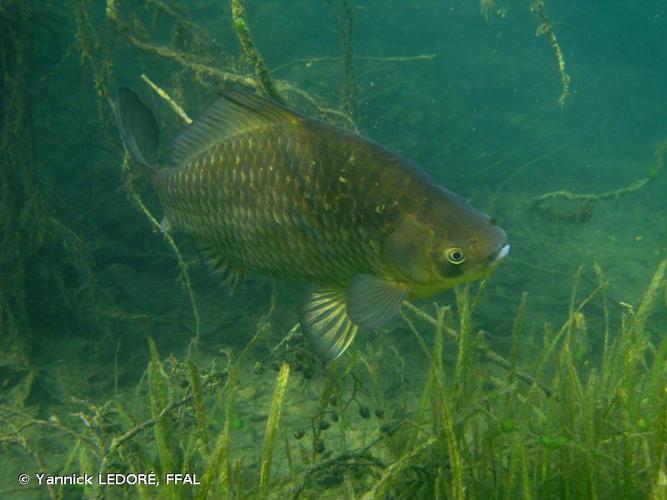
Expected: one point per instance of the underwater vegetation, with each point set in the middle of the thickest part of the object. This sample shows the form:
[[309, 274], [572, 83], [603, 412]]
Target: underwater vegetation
[[480, 427], [118, 355]]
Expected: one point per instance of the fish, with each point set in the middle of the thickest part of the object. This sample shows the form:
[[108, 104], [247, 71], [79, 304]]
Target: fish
[[260, 187]]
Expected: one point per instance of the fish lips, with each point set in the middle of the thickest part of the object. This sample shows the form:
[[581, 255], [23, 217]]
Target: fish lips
[[502, 252]]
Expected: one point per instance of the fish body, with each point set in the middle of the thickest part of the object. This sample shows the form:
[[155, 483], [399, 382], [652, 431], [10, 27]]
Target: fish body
[[263, 188]]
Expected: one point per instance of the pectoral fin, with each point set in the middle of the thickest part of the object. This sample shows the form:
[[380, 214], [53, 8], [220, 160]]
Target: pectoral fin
[[326, 324], [372, 301]]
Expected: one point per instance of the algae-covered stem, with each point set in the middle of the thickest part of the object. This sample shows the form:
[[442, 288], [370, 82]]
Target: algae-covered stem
[[251, 53], [546, 29], [615, 194], [589, 198], [164, 95]]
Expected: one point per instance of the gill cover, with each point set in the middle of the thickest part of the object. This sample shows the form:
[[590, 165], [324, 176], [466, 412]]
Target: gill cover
[[409, 247]]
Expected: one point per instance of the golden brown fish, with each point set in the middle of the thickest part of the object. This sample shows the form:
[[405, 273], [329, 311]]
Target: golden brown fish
[[263, 188]]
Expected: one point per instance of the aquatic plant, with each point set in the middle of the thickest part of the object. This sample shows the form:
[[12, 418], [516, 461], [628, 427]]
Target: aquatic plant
[[40, 253], [591, 428], [488, 7]]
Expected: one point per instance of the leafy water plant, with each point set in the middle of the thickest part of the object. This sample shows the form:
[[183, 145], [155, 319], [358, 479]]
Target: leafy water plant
[[599, 431]]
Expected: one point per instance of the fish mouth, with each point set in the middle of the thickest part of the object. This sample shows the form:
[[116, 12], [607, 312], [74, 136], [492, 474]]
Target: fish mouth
[[502, 252]]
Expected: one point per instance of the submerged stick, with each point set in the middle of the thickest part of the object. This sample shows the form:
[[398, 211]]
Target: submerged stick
[[251, 53], [546, 29], [146, 424], [616, 193], [172, 104], [191, 62], [349, 459], [587, 200], [310, 61], [380, 487]]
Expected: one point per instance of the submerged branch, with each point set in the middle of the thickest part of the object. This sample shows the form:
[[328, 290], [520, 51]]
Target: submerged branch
[[616, 193], [163, 94], [251, 53], [147, 424], [310, 61], [546, 29], [584, 202]]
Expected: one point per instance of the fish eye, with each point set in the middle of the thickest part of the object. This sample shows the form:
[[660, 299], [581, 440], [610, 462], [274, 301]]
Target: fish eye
[[455, 256]]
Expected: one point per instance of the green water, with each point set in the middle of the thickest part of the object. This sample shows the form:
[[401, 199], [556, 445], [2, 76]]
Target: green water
[[563, 398]]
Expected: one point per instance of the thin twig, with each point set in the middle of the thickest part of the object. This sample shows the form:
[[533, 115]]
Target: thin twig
[[116, 442], [310, 61], [546, 29], [616, 193], [163, 94]]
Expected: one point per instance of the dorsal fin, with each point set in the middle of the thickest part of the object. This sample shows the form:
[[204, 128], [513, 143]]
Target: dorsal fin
[[232, 114]]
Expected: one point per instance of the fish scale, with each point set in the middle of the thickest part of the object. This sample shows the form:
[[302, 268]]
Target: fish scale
[[254, 210]]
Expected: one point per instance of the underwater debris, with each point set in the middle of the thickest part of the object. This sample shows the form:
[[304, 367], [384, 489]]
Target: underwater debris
[[546, 29], [311, 61], [251, 53], [583, 202], [163, 94], [488, 7], [577, 207]]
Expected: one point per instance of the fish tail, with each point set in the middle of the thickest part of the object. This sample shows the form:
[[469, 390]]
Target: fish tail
[[138, 128]]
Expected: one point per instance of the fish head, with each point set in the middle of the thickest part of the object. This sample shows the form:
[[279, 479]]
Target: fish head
[[446, 242], [469, 254]]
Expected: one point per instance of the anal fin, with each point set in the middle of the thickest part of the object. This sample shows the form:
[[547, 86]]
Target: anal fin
[[326, 324]]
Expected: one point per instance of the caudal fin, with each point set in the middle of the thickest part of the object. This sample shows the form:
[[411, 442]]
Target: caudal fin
[[137, 126]]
